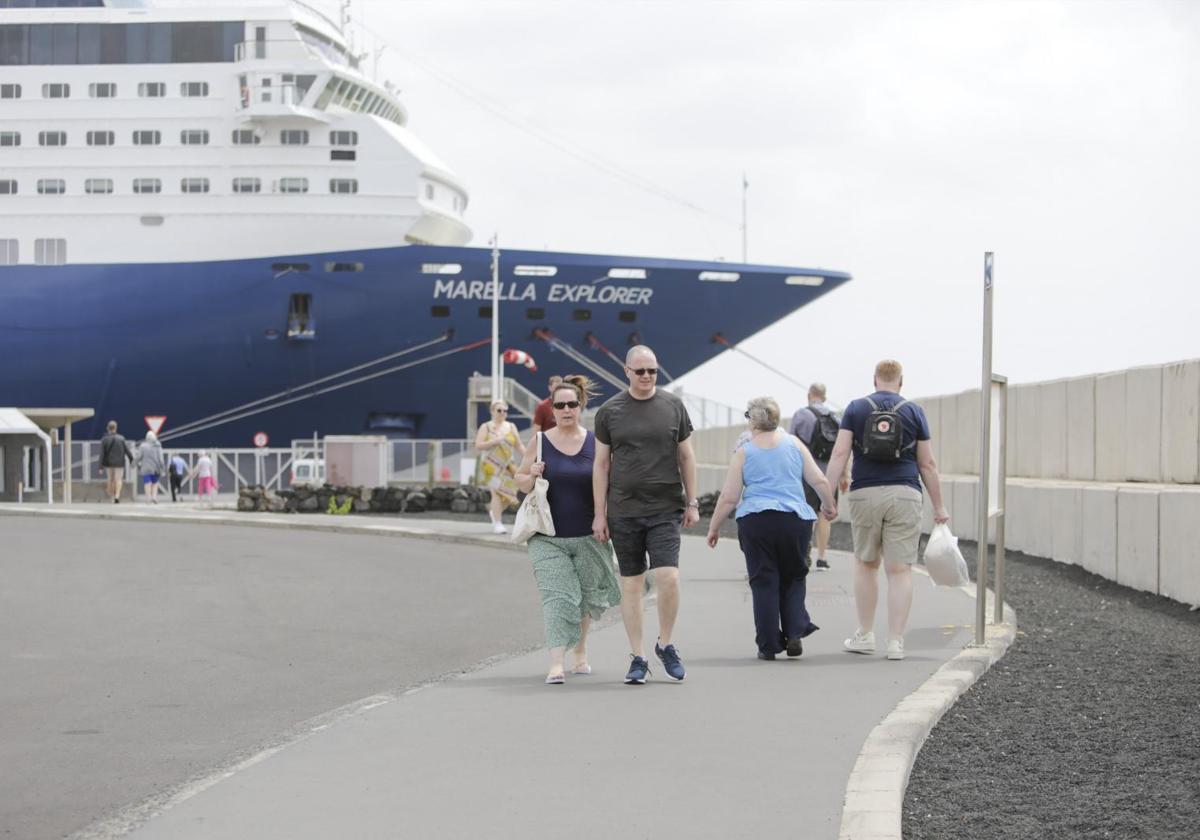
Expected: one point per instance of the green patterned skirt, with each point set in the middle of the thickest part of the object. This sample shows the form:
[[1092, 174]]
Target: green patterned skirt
[[576, 577]]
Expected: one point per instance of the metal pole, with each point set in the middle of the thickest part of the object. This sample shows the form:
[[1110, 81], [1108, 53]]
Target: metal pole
[[1001, 497], [495, 316], [985, 455], [68, 465]]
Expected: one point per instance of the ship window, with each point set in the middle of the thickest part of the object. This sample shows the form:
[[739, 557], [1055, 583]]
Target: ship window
[[435, 311], [98, 186], [100, 138], [10, 138], [343, 266], [245, 137], [343, 186], [342, 154], [152, 221], [343, 138], [9, 91], [283, 268], [804, 280], [193, 89], [8, 187], [293, 137], [56, 90], [535, 270], [627, 273], [293, 185], [485, 312], [193, 185], [49, 251], [720, 276], [535, 313], [193, 137], [51, 186], [102, 90], [628, 316], [247, 185], [582, 314], [300, 321], [52, 138], [441, 268], [152, 90], [143, 186], [147, 138], [9, 255], [429, 191]]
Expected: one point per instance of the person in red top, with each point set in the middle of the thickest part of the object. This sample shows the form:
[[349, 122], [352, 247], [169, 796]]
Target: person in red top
[[543, 415]]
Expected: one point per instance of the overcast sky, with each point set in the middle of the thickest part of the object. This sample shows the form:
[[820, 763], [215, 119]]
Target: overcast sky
[[896, 141]]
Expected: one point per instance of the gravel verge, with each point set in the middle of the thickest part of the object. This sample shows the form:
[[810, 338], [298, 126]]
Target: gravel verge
[[1087, 728]]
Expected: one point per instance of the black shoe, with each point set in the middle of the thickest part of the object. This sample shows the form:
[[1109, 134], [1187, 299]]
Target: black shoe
[[794, 646], [768, 656], [822, 565], [116, 501], [639, 670]]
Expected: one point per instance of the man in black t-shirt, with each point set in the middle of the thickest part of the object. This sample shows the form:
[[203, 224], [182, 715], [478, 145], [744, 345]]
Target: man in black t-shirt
[[644, 482]]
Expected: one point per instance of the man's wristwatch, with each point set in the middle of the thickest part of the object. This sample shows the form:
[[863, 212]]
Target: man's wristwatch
[[694, 503]]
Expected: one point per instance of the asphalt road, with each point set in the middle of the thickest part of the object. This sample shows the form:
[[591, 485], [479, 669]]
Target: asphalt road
[[135, 657]]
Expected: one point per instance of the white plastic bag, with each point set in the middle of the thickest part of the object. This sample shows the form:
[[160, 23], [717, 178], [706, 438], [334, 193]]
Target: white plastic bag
[[533, 516], [943, 560]]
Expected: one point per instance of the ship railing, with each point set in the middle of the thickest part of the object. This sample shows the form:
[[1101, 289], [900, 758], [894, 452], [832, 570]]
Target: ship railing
[[274, 50]]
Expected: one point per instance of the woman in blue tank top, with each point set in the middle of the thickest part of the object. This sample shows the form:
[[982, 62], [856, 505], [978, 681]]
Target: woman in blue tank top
[[574, 572], [774, 526]]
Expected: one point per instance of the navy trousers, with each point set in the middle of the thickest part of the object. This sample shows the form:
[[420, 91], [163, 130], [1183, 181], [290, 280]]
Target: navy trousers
[[775, 544]]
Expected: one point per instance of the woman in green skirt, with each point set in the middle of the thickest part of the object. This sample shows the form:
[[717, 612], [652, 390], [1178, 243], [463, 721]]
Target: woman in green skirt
[[574, 572]]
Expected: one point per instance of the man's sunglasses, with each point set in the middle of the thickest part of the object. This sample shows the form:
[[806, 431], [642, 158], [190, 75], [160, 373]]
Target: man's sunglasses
[[645, 371], [567, 404]]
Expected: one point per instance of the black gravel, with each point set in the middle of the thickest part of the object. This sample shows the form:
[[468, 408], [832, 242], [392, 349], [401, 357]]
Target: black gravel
[[1089, 727]]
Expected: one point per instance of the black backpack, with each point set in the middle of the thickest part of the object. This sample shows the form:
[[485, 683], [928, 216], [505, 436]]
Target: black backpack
[[883, 437], [824, 435]]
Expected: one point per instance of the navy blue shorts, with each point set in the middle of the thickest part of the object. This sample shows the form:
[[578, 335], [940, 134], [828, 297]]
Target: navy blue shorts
[[636, 537]]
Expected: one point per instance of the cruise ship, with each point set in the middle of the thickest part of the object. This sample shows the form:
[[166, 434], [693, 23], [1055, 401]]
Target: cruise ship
[[210, 212]]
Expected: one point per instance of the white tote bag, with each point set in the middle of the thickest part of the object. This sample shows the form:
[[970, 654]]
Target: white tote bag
[[533, 516], [943, 560]]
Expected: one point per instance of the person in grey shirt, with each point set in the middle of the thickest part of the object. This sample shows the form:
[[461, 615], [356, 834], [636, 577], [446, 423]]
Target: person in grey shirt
[[644, 488], [151, 465], [806, 425]]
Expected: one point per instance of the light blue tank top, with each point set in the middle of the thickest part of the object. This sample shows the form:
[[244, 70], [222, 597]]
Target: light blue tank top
[[772, 480]]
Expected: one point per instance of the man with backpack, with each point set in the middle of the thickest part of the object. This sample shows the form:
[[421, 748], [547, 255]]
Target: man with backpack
[[892, 456], [817, 426]]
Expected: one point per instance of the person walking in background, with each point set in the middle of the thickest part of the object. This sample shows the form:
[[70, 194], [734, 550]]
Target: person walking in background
[[206, 478], [772, 474], [817, 427], [114, 455], [574, 571], [892, 455], [151, 465], [644, 484], [176, 469], [501, 449], [543, 415]]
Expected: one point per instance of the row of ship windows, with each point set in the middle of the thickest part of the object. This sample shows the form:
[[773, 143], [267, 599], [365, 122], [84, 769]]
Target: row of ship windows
[[104, 186], [45, 251], [187, 137], [107, 90]]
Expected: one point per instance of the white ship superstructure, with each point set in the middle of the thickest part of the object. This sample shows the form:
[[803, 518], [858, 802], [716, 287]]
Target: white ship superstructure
[[150, 131]]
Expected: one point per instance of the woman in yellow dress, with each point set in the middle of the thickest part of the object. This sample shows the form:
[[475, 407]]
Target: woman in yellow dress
[[501, 451]]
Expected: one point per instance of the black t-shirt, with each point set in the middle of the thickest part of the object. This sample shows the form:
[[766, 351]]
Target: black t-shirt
[[644, 435]]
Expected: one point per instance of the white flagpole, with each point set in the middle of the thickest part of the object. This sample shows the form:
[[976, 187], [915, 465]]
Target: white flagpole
[[745, 187]]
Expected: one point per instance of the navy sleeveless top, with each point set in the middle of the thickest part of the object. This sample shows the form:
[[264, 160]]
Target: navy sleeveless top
[[570, 477]]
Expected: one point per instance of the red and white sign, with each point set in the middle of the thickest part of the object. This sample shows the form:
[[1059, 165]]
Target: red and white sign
[[154, 422], [261, 439]]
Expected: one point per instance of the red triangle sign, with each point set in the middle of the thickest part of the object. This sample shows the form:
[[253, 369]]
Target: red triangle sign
[[155, 422]]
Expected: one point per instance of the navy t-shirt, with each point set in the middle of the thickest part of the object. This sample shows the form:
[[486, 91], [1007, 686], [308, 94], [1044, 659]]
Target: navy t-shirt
[[868, 473]]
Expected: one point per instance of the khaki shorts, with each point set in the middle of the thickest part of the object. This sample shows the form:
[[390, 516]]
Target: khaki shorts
[[885, 521]]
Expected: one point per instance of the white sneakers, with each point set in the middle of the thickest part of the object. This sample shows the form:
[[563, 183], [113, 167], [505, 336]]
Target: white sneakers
[[862, 642], [498, 528]]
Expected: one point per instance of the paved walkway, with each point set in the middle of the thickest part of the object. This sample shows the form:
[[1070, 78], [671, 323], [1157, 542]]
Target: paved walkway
[[742, 748]]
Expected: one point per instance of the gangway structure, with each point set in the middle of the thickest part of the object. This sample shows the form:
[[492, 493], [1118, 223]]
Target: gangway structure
[[521, 400]]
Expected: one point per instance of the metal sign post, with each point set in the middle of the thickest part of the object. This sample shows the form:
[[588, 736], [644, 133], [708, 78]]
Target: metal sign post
[[999, 450], [985, 437], [497, 371]]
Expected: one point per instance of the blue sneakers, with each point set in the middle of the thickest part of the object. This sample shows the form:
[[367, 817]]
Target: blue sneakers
[[670, 660], [639, 670]]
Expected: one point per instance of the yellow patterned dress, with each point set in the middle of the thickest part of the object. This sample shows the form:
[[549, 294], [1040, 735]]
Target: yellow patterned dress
[[498, 465]]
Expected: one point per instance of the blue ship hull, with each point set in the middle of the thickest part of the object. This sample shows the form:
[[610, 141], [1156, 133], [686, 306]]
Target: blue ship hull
[[188, 340]]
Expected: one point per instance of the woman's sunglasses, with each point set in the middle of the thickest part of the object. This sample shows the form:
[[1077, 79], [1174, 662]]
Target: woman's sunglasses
[[567, 404], [645, 371]]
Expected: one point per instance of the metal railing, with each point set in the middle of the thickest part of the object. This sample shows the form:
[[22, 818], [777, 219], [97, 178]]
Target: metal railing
[[710, 414]]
